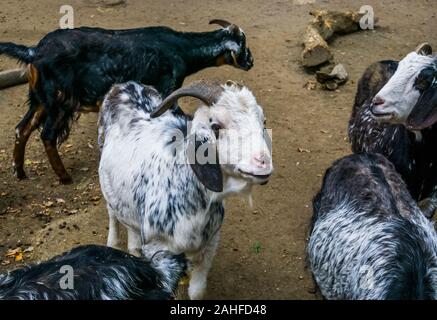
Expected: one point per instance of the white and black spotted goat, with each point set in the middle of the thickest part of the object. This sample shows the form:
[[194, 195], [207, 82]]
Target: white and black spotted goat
[[153, 185], [395, 113], [369, 239], [97, 273]]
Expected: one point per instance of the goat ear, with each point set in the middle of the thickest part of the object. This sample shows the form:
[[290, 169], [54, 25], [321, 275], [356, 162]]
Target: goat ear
[[234, 29], [424, 113], [203, 158], [424, 49]]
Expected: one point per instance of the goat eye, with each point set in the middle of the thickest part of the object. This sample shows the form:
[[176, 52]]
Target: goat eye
[[422, 83], [216, 128], [425, 79]]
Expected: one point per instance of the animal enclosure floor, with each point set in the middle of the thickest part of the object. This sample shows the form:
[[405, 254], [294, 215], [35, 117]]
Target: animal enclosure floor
[[262, 250]]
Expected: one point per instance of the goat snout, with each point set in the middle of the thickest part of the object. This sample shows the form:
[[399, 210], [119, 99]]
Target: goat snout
[[380, 108], [378, 100], [260, 168], [261, 160]]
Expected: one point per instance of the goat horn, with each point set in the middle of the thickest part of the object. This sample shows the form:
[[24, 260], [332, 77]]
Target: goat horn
[[221, 22], [424, 49], [206, 91]]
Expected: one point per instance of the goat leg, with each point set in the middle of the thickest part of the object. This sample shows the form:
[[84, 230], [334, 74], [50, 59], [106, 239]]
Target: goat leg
[[56, 162], [24, 129]]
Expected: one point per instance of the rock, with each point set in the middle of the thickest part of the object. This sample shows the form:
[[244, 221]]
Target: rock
[[331, 80]]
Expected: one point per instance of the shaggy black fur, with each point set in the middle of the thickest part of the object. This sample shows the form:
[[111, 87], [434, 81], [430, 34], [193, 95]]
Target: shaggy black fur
[[365, 219], [100, 273]]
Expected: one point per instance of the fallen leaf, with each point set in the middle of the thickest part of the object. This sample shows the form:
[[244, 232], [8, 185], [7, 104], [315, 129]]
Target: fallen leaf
[[17, 254], [19, 257], [310, 85], [301, 150], [48, 204], [5, 262], [28, 249], [12, 210], [102, 10]]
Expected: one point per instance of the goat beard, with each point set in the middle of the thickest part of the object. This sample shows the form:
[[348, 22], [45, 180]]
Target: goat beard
[[250, 200]]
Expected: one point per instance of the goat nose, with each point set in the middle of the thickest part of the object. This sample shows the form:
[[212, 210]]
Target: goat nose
[[261, 160], [378, 100]]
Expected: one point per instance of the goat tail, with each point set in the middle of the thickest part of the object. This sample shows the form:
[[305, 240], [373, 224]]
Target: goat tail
[[18, 51]]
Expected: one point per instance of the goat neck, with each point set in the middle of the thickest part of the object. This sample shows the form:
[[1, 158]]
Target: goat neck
[[206, 49]]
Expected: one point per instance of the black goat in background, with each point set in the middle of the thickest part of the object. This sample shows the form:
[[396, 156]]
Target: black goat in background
[[71, 70]]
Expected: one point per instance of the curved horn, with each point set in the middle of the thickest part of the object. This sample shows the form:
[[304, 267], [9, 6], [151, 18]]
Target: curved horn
[[424, 49], [206, 91], [220, 22]]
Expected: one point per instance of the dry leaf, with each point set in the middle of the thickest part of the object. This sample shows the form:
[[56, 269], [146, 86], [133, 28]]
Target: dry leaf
[[310, 85], [12, 210], [301, 150], [28, 249], [19, 257], [15, 253], [102, 10], [48, 204], [5, 262]]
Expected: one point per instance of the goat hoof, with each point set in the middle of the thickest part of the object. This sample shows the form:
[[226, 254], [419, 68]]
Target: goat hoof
[[21, 175], [66, 180]]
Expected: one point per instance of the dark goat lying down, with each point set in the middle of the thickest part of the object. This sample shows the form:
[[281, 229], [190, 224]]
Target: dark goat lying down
[[369, 239], [99, 273], [71, 70]]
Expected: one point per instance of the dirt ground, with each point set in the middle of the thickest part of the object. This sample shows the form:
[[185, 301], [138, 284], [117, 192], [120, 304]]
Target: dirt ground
[[262, 251]]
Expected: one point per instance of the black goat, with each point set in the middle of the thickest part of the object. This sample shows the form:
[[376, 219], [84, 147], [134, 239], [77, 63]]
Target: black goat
[[98, 273], [369, 240], [71, 70], [394, 113]]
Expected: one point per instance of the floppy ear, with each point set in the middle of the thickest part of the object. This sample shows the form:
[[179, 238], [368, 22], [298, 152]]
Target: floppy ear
[[424, 113], [203, 159]]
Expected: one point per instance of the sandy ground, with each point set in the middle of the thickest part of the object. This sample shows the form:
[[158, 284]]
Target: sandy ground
[[262, 251]]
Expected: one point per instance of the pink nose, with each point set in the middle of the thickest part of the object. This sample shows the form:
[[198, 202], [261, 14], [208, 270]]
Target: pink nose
[[261, 160], [377, 101]]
